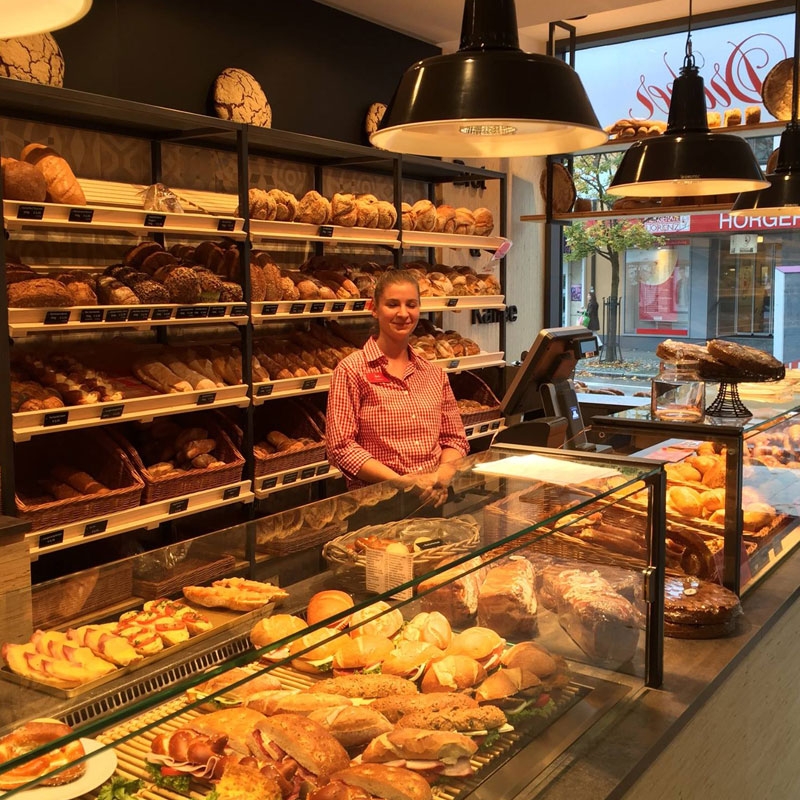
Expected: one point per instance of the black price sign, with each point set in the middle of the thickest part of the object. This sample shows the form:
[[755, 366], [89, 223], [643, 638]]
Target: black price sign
[[452, 364], [317, 308], [56, 317], [469, 431], [117, 315], [216, 311], [297, 308], [269, 309], [359, 305], [264, 391], [154, 220], [495, 425], [429, 545], [309, 383], [323, 469], [269, 483], [138, 314], [112, 412], [337, 307], [81, 214], [231, 492], [92, 315], [239, 311], [206, 398], [289, 477], [176, 506], [307, 473], [93, 528], [483, 428], [162, 313], [30, 212], [49, 539], [226, 225], [191, 312], [452, 302], [56, 418], [326, 231]]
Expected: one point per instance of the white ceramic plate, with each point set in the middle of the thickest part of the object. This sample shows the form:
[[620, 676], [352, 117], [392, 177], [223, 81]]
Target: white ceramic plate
[[99, 769]]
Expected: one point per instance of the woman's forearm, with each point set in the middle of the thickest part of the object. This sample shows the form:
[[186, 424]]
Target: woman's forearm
[[373, 471]]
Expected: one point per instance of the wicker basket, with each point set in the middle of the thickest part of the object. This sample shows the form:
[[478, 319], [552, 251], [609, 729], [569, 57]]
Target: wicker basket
[[459, 535], [168, 581], [93, 452], [290, 419], [191, 480], [468, 386]]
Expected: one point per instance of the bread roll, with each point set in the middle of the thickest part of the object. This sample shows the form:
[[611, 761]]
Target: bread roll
[[23, 181], [344, 210], [465, 222], [314, 209], [38, 293], [445, 219], [387, 214], [367, 214], [409, 217], [752, 115], [285, 205], [424, 215], [733, 116], [484, 221], [62, 186]]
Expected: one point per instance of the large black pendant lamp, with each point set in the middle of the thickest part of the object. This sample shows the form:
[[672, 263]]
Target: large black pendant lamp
[[782, 196], [687, 159], [490, 98]]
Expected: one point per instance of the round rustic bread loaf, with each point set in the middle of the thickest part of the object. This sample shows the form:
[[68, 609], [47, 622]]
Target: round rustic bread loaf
[[36, 59], [22, 181], [238, 96]]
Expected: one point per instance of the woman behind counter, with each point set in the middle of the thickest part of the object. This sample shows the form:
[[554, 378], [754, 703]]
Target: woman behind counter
[[390, 412]]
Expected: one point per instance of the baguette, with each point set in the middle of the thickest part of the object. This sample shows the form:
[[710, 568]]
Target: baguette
[[160, 377], [198, 381], [81, 481]]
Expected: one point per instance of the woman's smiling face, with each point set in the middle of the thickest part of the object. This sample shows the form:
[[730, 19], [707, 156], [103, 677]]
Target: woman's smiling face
[[397, 310]]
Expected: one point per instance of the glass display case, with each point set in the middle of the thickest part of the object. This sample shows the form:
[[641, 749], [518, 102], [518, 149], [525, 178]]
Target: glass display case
[[732, 483], [515, 555]]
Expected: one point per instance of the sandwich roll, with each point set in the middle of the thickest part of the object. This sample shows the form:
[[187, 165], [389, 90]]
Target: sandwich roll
[[409, 659], [381, 781], [351, 725], [363, 654], [378, 619], [482, 644], [272, 629], [213, 691], [365, 686], [535, 663], [452, 673], [395, 707], [326, 604], [429, 626], [314, 651]]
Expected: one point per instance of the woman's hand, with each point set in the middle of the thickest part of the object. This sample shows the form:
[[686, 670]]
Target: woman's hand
[[432, 487]]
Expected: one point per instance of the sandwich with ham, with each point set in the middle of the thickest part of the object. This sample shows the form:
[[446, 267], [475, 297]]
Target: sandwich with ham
[[483, 724], [274, 629], [454, 673], [432, 627], [374, 782], [482, 644], [314, 651], [362, 654], [409, 659], [377, 619]]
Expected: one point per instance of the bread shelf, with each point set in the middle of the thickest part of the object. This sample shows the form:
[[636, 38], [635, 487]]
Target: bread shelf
[[146, 516], [268, 230], [18, 215], [432, 239], [471, 362], [289, 387], [23, 321], [309, 473], [269, 311], [463, 302], [34, 423]]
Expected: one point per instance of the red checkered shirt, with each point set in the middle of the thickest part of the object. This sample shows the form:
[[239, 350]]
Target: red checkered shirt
[[404, 423]]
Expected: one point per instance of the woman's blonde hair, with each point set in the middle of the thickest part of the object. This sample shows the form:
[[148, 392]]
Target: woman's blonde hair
[[391, 277]]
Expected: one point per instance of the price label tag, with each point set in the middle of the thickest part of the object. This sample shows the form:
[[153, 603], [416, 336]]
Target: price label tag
[[226, 225], [117, 315], [297, 308], [326, 231], [206, 398], [269, 483], [323, 469], [92, 315], [49, 539], [231, 492], [81, 214], [112, 412], [56, 317], [162, 313], [289, 477], [359, 305], [30, 212], [317, 308], [269, 309], [338, 307], [483, 428], [139, 314], [494, 425], [176, 506], [309, 383], [307, 473], [264, 391], [430, 544], [239, 311], [93, 528], [56, 418], [191, 312], [216, 311], [453, 364], [452, 302], [502, 250], [469, 431], [154, 220]]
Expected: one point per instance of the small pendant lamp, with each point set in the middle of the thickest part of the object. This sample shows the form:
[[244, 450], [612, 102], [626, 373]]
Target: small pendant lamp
[[782, 196], [489, 98], [687, 159], [26, 17]]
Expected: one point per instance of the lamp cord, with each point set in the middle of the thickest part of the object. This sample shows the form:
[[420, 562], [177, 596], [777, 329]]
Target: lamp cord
[[688, 60], [795, 67]]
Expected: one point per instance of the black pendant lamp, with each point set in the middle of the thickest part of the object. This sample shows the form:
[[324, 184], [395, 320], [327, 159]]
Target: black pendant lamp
[[782, 196], [687, 159], [490, 98]]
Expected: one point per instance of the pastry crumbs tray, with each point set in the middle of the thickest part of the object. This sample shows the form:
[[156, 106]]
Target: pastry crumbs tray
[[222, 620]]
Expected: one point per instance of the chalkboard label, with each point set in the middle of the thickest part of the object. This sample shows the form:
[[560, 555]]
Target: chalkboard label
[[264, 391], [81, 214], [429, 544], [469, 431], [307, 473], [239, 311], [452, 302], [310, 383], [176, 506], [289, 477], [231, 492], [323, 469], [359, 305], [30, 212], [269, 309], [326, 231], [337, 307], [452, 364], [483, 428], [56, 317], [317, 308], [49, 539], [162, 313], [117, 315], [139, 314], [192, 312], [92, 315], [56, 418], [269, 483], [495, 425], [154, 220], [216, 311], [93, 528], [112, 412], [226, 225], [206, 398], [297, 308]]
